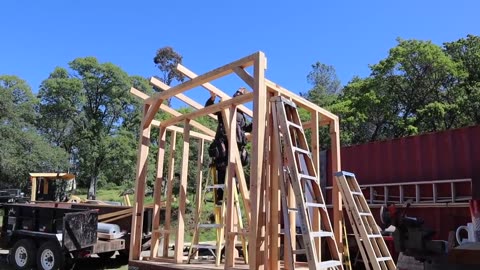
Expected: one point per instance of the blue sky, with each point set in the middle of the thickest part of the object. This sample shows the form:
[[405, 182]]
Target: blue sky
[[37, 36]]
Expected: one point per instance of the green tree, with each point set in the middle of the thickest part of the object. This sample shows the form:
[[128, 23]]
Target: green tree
[[325, 85], [92, 108], [416, 89], [166, 60], [22, 149], [419, 76], [466, 52]]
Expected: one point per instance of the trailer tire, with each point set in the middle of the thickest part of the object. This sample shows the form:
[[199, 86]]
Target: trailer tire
[[23, 253], [50, 256]]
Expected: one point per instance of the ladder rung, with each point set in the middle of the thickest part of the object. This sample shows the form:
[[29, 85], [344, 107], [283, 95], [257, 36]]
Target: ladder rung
[[328, 264], [205, 246], [210, 226], [218, 186], [322, 234], [375, 236], [359, 193], [300, 150], [318, 205], [365, 213], [292, 124], [292, 209], [382, 259], [308, 177], [299, 251]]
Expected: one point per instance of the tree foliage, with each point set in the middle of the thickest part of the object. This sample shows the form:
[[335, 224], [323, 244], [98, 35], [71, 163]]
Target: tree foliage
[[90, 113], [166, 60], [419, 87], [22, 149]]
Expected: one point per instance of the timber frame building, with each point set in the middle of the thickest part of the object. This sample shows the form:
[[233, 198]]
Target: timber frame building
[[261, 197]]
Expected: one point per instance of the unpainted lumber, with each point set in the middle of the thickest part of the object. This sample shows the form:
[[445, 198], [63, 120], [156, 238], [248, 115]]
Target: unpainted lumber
[[157, 191], [190, 74], [256, 168], [168, 206], [141, 177], [173, 112], [178, 254]]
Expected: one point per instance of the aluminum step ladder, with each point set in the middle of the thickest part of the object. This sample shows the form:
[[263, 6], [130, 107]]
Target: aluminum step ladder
[[219, 224], [370, 241], [298, 173]]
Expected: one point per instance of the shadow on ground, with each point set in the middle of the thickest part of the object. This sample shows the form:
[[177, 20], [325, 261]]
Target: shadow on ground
[[93, 263]]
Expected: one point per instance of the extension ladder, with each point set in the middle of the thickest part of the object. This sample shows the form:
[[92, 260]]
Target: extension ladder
[[299, 174], [219, 225], [367, 234]]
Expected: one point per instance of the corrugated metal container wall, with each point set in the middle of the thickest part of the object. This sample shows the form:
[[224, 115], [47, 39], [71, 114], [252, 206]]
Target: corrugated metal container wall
[[452, 154]]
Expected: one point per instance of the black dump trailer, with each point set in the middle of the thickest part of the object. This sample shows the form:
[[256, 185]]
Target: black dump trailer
[[45, 237]]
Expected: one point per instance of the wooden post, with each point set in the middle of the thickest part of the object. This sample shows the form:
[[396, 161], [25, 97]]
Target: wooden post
[[258, 138], [231, 127], [33, 196], [142, 165], [274, 202], [157, 193], [199, 190], [336, 196], [316, 163], [183, 194], [168, 198]]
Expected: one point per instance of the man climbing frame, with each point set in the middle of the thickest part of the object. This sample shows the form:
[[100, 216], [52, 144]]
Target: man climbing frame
[[218, 150]]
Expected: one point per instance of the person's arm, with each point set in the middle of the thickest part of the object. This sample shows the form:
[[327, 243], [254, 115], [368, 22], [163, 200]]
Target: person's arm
[[211, 101]]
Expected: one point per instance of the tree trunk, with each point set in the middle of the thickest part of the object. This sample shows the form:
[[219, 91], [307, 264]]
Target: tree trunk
[[92, 190]]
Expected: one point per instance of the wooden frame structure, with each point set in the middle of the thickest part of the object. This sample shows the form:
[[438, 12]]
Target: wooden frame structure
[[261, 198]]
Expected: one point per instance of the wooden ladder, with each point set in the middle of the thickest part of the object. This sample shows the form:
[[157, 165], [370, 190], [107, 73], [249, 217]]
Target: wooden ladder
[[369, 239], [299, 175], [219, 225]]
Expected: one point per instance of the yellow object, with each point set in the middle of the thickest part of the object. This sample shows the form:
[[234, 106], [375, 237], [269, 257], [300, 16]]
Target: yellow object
[[37, 178]]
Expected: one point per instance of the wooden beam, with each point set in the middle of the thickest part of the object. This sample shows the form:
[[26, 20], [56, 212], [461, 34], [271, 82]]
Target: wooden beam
[[33, 192], [141, 177], [178, 254], [159, 84], [315, 141], [190, 74], [168, 198], [173, 112], [271, 86], [256, 167], [193, 134], [309, 124], [229, 120], [274, 222], [209, 76], [199, 191], [152, 111], [336, 196], [210, 109], [157, 192]]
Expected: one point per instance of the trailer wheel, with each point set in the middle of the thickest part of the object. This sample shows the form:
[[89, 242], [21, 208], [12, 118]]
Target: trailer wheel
[[50, 256], [22, 254]]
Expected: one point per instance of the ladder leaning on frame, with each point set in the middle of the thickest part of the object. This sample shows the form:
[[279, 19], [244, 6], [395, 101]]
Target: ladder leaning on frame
[[219, 225], [370, 241], [298, 172]]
